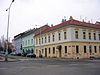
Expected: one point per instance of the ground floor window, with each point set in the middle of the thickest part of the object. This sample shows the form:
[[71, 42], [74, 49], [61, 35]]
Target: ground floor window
[[84, 49], [95, 49], [65, 49], [42, 51], [77, 49], [99, 48], [53, 50], [90, 49], [32, 50], [49, 50]]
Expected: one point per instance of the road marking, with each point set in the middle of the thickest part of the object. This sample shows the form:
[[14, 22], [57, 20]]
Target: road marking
[[3, 68]]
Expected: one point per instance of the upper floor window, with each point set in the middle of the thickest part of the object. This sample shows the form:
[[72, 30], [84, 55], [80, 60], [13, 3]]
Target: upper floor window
[[65, 35], [23, 43], [76, 34], [45, 39], [94, 36], [31, 41], [36, 41], [42, 40], [99, 36], [39, 40], [28, 41], [53, 37], [59, 36], [49, 38], [90, 36], [84, 35]]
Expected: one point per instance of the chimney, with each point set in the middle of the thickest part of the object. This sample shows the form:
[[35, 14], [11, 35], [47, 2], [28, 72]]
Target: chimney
[[51, 25], [71, 18]]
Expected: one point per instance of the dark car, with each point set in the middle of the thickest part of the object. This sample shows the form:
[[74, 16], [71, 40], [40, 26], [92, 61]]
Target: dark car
[[18, 54], [31, 55]]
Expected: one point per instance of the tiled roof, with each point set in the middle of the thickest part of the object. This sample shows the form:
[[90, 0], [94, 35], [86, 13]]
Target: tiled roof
[[72, 22]]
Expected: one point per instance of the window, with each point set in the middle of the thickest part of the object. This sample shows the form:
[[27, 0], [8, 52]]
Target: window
[[32, 50], [39, 40], [99, 36], [99, 48], [90, 49], [65, 36], [49, 50], [42, 40], [84, 35], [59, 36], [77, 49], [84, 49], [31, 41], [95, 49], [23, 42], [76, 34], [28, 41], [53, 50], [65, 49], [49, 38], [42, 51], [36, 41], [94, 36], [90, 36], [53, 38], [45, 39]]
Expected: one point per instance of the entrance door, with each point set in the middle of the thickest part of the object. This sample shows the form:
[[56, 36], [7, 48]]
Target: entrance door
[[45, 52]]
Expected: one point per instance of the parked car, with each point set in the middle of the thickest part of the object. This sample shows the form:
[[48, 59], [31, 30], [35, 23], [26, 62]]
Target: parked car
[[31, 55], [19, 54], [13, 53], [24, 54]]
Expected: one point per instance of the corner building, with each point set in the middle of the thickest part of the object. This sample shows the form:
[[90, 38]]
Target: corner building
[[70, 39]]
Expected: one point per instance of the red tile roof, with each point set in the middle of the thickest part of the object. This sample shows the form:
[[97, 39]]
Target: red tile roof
[[72, 22]]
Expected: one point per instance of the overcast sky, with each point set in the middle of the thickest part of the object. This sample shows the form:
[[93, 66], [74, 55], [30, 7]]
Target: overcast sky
[[25, 14]]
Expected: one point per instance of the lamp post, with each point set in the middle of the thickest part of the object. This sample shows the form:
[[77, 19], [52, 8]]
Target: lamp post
[[6, 59]]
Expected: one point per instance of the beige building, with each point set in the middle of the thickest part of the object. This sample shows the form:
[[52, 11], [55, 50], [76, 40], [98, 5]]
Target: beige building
[[70, 39]]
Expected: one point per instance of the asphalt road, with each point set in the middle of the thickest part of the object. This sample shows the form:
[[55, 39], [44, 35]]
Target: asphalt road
[[50, 67]]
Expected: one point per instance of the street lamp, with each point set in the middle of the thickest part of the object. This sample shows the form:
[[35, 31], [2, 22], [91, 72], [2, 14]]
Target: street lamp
[[6, 59]]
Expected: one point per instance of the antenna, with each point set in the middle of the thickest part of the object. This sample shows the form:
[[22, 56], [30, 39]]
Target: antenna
[[80, 18]]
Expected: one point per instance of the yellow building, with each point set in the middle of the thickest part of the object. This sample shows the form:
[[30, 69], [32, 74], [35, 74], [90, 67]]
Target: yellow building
[[70, 39]]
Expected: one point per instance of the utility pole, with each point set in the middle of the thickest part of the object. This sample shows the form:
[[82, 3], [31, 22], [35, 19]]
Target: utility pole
[[6, 55]]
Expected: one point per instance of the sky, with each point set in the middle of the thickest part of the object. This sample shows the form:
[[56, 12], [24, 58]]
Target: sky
[[26, 14]]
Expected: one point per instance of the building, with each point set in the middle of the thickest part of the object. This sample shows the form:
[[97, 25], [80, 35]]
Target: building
[[28, 41], [69, 39], [18, 43]]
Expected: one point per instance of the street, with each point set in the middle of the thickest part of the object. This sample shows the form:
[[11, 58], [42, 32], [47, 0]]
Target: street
[[50, 67]]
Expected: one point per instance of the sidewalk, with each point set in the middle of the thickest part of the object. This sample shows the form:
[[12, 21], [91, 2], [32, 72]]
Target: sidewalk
[[2, 59]]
